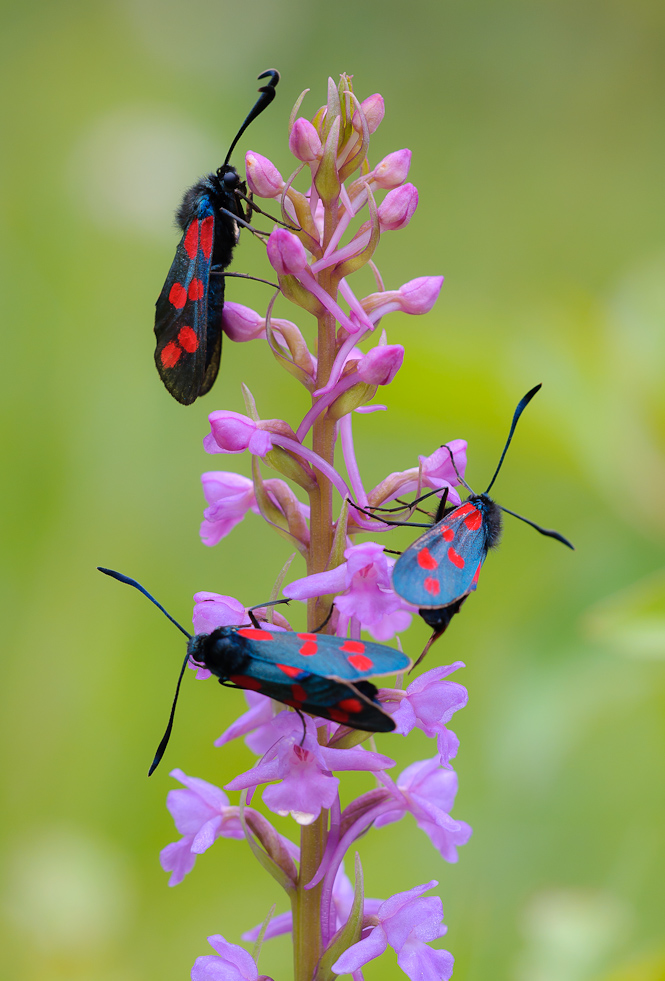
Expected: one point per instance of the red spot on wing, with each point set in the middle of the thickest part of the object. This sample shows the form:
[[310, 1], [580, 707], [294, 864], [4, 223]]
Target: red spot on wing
[[426, 560], [309, 648], [188, 339], [299, 693], [464, 509], [207, 228], [360, 662], [337, 715], [353, 705], [289, 670], [178, 296], [477, 575], [432, 586], [251, 633], [353, 647], [195, 291], [242, 681], [474, 520], [455, 558], [191, 242], [170, 355], [447, 533]]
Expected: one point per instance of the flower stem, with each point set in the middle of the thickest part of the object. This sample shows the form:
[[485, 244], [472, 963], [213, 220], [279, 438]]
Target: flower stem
[[307, 904]]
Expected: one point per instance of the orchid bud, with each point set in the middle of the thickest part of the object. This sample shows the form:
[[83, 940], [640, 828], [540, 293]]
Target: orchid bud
[[374, 109], [262, 176], [231, 432], [381, 364], [286, 253], [419, 295], [241, 323], [211, 610], [397, 208], [392, 170], [304, 141]]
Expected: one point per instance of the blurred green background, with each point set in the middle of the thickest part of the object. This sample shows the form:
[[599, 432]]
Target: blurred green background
[[537, 136]]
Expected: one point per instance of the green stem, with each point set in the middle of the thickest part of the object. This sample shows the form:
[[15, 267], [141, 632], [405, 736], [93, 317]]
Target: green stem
[[307, 902]]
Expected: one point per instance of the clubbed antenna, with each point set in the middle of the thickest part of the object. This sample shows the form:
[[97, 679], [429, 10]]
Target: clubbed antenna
[[132, 582], [264, 100], [167, 735], [518, 412]]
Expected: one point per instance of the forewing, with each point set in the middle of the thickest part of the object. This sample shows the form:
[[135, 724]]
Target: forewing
[[321, 654], [182, 355], [325, 697], [443, 564]]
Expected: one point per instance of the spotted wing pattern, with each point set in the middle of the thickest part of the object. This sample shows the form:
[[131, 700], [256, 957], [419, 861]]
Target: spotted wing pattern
[[349, 704], [336, 658], [443, 565], [188, 314]]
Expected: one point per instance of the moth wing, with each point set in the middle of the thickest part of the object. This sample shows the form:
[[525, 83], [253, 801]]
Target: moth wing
[[183, 359], [442, 565], [314, 693], [321, 654]]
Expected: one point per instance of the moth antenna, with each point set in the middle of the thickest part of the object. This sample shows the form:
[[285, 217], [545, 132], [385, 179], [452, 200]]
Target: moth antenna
[[161, 749], [267, 95], [459, 475], [518, 412], [132, 582], [543, 531]]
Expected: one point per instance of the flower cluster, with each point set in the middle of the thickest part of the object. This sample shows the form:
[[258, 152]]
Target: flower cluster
[[335, 209]]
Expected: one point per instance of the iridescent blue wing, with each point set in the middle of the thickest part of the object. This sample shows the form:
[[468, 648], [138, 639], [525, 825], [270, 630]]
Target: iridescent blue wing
[[188, 314], [330, 657], [349, 704], [443, 565]]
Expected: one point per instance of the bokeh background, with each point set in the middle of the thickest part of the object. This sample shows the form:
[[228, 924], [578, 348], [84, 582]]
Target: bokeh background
[[537, 136]]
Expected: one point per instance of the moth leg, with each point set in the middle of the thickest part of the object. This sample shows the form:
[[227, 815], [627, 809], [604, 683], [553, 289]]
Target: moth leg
[[411, 505], [385, 521], [245, 224], [237, 275], [254, 207], [304, 725], [326, 621]]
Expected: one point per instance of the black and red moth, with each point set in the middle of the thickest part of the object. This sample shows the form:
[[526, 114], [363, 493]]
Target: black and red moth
[[188, 315], [311, 672], [440, 569]]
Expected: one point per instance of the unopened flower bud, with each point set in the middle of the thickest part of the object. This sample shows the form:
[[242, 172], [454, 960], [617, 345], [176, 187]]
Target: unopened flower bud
[[374, 109], [397, 208], [419, 295], [262, 176], [304, 141], [242, 323], [286, 253], [381, 364], [392, 170]]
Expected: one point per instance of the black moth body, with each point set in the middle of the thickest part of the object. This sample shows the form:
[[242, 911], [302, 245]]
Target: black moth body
[[189, 337], [229, 654], [188, 314]]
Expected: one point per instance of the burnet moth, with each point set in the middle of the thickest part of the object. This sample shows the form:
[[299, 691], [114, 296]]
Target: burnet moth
[[311, 672], [188, 315], [441, 568]]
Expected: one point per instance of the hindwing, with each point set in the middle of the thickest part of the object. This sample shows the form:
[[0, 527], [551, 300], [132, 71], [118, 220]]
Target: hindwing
[[348, 704]]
